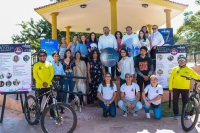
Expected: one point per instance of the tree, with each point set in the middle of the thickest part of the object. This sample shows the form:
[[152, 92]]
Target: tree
[[32, 32]]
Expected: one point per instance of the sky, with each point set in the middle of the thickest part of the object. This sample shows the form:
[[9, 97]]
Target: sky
[[13, 12]]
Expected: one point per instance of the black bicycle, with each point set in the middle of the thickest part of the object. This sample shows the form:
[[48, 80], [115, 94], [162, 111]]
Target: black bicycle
[[64, 120], [190, 112]]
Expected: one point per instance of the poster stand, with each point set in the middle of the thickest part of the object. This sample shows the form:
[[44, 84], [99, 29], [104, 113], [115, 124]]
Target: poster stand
[[4, 101]]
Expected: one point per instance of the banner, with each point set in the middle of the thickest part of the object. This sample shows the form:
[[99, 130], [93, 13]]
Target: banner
[[50, 46], [166, 59], [15, 67], [167, 34], [109, 57]]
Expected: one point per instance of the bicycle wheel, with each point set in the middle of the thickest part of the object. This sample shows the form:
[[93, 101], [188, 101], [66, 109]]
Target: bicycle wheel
[[190, 114], [61, 123], [30, 110]]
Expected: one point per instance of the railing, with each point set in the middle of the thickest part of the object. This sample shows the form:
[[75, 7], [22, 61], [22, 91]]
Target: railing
[[193, 53]]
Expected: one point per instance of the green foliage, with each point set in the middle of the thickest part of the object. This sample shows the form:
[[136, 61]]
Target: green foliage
[[32, 32], [197, 2]]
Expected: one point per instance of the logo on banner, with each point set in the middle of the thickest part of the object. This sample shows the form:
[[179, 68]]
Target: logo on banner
[[18, 50], [109, 57], [174, 51]]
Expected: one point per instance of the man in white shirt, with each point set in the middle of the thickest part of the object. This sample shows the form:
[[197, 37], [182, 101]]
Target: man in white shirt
[[156, 40], [125, 65], [130, 40], [107, 41], [130, 95]]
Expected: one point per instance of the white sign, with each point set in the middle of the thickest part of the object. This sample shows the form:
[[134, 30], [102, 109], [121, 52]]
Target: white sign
[[15, 67], [166, 59]]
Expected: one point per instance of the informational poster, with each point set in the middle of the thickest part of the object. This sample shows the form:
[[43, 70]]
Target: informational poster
[[15, 67], [167, 34], [50, 46], [166, 59]]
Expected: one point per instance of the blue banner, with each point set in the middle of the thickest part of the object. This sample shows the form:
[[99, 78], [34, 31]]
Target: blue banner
[[50, 46], [167, 34]]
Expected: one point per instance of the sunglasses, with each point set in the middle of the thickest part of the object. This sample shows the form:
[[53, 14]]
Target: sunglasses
[[42, 55], [123, 52], [154, 28], [108, 76]]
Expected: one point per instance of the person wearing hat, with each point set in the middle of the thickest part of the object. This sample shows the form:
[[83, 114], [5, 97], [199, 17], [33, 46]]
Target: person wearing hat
[[154, 93], [180, 85], [130, 96], [143, 68]]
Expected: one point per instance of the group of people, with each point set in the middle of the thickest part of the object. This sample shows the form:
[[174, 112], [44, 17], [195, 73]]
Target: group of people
[[82, 58]]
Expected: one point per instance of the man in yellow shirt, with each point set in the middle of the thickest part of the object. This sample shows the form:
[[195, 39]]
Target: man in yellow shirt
[[43, 73], [179, 85]]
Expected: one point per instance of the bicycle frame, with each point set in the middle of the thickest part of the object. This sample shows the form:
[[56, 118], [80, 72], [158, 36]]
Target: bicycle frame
[[195, 94]]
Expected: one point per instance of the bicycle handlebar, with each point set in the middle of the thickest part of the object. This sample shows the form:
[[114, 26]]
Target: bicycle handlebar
[[190, 78]]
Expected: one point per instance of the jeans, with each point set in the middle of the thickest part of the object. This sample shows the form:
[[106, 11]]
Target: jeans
[[157, 111], [124, 106], [59, 97], [111, 109], [68, 82], [140, 81]]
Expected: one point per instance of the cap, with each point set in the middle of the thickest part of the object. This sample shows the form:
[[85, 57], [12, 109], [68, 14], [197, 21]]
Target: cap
[[153, 76], [182, 58], [128, 74]]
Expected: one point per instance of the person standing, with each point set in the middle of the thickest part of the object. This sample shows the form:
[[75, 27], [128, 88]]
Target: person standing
[[130, 96], [143, 40], [108, 41], [156, 40], [58, 70], [92, 44], [72, 45], [144, 68], [154, 93], [130, 41], [95, 75], [62, 48], [81, 71], [107, 94], [125, 65], [82, 48], [118, 36], [43, 74], [69, 68], [180, 85]]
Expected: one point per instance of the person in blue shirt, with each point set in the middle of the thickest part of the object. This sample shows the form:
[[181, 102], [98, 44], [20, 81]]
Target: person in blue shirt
[[82, 48], [58, 70]]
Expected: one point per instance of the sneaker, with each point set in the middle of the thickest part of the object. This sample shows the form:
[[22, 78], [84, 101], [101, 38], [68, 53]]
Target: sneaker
[[125, 114], [135, 113], [105, 114], [52, 117], [175, 117], [186, 117], [148, 115]]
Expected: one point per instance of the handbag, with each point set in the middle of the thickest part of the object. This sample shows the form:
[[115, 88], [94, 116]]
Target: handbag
[[81, 86]]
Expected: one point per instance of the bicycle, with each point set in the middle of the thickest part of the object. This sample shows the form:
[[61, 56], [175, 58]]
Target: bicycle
[[190, 112], [62, 120]]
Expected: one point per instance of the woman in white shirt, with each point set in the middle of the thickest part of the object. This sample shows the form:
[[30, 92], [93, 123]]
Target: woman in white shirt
[[143, 40], [107, 93], [153, 99]]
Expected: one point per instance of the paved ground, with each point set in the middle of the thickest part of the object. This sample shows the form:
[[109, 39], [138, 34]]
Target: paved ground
[[91, 121]]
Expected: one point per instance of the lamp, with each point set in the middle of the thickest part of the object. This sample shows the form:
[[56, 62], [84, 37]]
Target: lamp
[[83, 6], [88, 29], [145, 5]]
